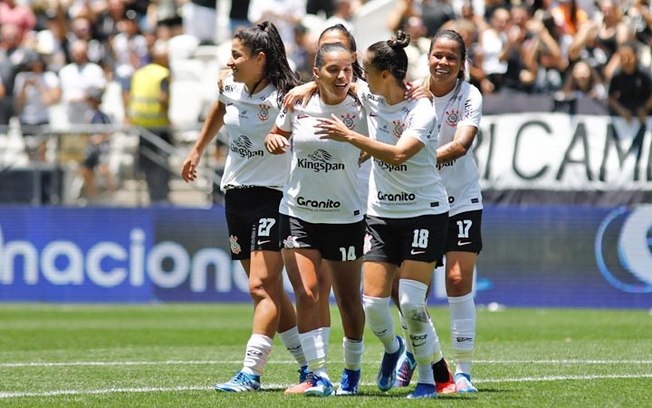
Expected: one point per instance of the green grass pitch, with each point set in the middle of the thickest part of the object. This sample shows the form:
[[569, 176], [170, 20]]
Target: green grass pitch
[[170, 355]]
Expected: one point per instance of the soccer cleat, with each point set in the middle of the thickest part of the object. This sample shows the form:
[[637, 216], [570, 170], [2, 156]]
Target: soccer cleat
[[443, 377], [305, 382], [321, 387], [304, 373], [406, 366], [349, 382], [463, 383], [423, 391], [241, 382], [387, 371]]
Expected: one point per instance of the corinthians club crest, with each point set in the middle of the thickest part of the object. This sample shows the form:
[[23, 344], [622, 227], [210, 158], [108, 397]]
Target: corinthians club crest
[[452, 117], [235, 247], [349, 120], [263, 113], [397, 130]]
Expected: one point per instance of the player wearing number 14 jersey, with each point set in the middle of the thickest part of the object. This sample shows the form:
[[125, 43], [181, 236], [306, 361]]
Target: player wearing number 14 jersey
[[322, 216]]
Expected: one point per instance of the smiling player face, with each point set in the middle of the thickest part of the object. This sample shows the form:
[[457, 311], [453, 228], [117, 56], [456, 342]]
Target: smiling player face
[[334, 76]]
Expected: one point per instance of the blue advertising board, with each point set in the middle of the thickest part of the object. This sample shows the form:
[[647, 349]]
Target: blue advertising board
[[534, 256]]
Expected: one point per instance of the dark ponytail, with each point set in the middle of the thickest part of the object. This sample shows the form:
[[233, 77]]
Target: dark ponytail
[[264, 37], [390, 55]]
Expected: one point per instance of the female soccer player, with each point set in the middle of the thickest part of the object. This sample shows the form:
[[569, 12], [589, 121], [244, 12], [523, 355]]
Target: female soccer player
[[459, 110], [322, 215], [253, 181], [407, 211]]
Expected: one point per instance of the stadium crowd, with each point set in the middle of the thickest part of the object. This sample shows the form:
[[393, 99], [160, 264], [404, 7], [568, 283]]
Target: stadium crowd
[[580, 56]]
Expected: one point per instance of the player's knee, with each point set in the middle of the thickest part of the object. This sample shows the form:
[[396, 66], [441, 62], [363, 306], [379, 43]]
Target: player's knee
[[307, 295], [414, 314], [375, 309]]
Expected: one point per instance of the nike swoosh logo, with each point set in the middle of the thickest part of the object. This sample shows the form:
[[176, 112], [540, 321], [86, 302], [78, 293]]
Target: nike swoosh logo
[[413, 252], [418, 345], [461, 243], [264, 242]]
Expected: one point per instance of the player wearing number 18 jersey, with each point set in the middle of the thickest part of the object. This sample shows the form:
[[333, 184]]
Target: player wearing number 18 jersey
[[407, 209]]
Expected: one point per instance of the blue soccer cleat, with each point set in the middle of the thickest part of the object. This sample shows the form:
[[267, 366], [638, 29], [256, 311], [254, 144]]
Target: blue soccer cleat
[[349, 382], [423, 391], [387, 372], [463, 383], [321, 387], [405, 369], [241, 382]]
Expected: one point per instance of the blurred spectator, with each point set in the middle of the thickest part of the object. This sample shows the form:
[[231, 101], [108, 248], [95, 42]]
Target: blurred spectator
[[582, 83], [639, 17], [76, 78], [342, 14], [468, 13], [51, 40], [89, 9], [129, 49], [417, 50], [200, 20], [108, 21], [239, 15], [98, 148], [566, 14], [545, 54], [35, 90], [285, 14], [18, 14], [141, 7], [490, 6], [81, 29], [598, 40], [12, 55], [403, 10], [435, 13], [148, 106], [301, 55], [317, 7], [495, 46], [469, 32], [168, 23], [630, 88]]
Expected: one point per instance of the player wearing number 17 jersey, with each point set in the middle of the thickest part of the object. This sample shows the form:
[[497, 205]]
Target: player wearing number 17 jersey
[[459, 110]]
